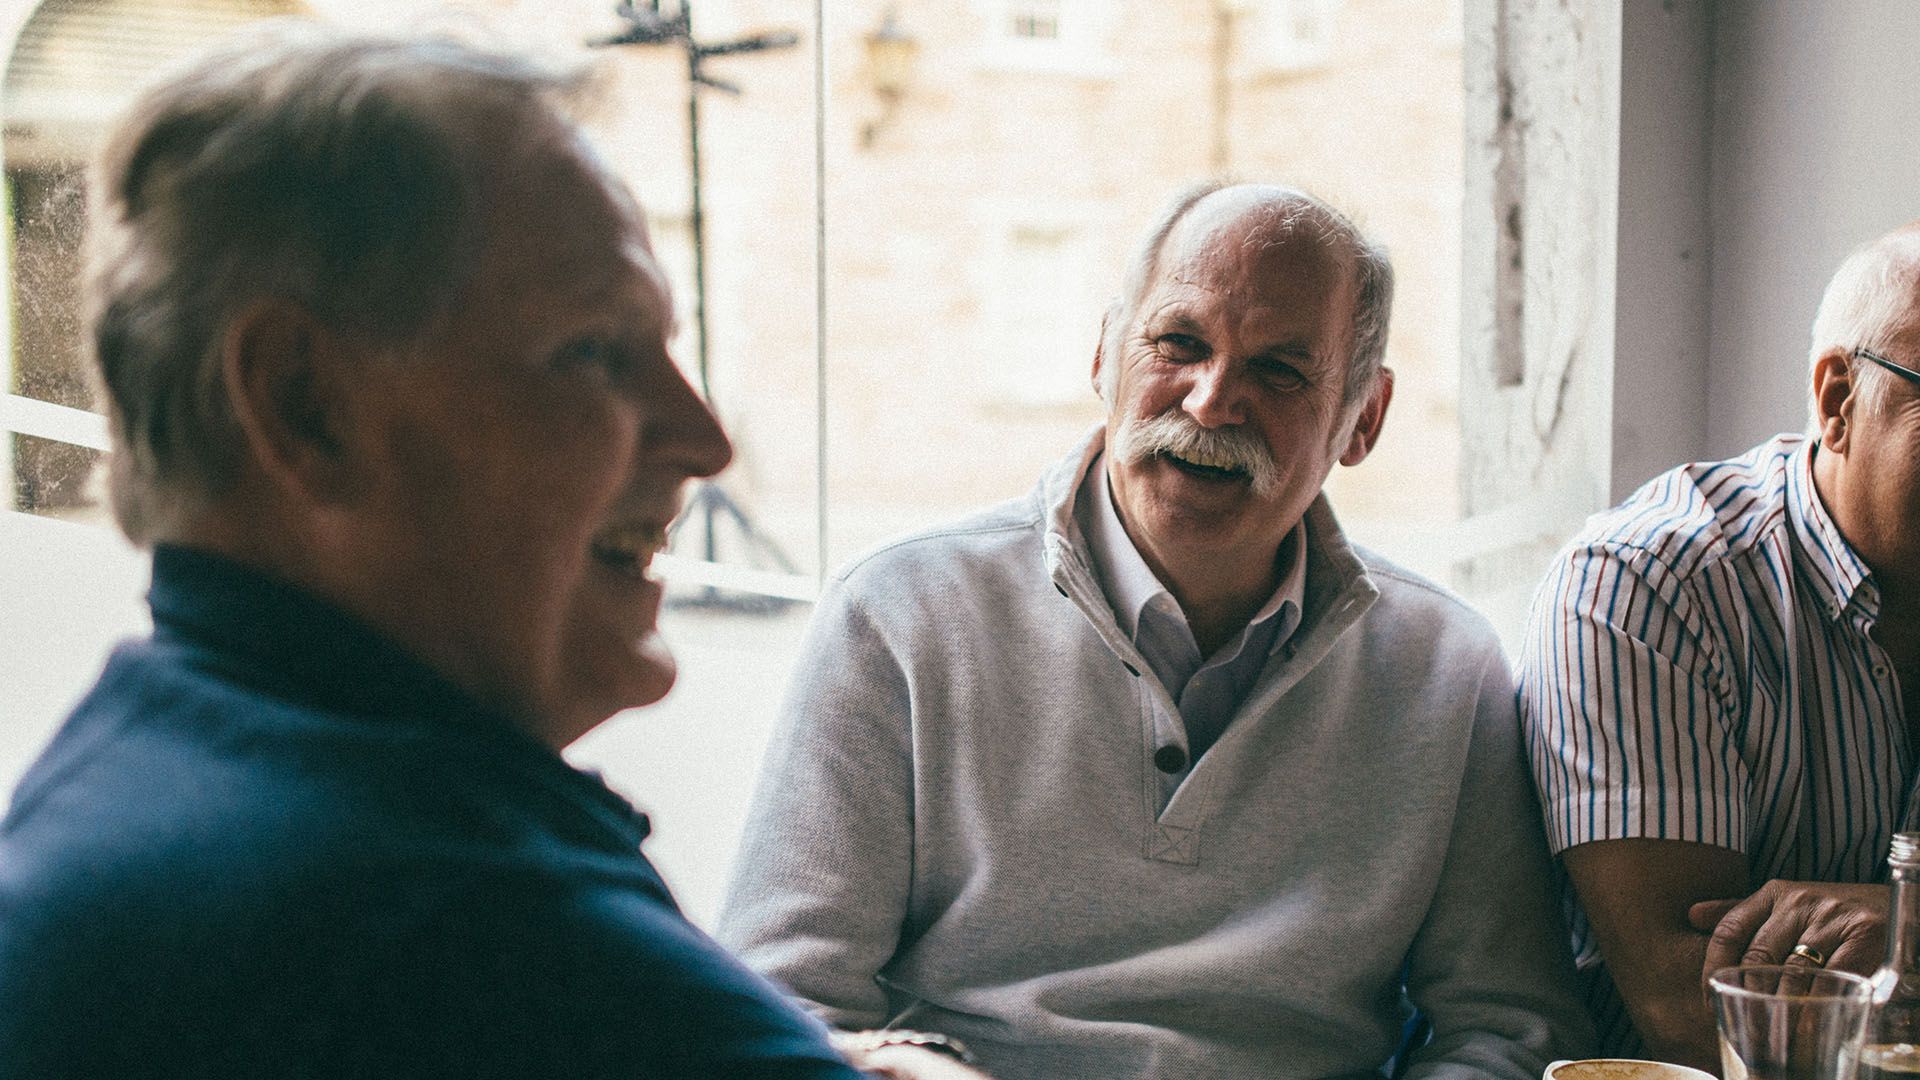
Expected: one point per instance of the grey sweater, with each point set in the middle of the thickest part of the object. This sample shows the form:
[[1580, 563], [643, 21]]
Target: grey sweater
[[961, 827]]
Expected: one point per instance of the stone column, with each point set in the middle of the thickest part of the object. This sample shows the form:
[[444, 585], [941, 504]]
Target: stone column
[[1537, 287]]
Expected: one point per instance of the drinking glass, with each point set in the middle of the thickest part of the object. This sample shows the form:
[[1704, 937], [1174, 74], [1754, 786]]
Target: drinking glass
[[1789, 1023]]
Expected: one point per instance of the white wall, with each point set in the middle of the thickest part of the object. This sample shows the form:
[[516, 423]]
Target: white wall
[[1815, 149], [1761, 140], [1663, 283]]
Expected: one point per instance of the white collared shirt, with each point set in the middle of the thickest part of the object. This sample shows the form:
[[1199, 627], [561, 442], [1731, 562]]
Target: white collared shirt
[[1207, 690]]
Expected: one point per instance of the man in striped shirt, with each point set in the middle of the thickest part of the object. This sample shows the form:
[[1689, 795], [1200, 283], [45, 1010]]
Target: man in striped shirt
[[1712, 688]]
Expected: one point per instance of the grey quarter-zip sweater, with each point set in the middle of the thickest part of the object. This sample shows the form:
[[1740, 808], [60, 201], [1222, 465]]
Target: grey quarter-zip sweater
[[965, 824]]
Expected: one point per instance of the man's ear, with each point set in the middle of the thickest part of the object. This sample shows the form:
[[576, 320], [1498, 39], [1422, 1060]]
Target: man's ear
[[287, 379], [1835, 400], [1373, 416], [1099, 354]]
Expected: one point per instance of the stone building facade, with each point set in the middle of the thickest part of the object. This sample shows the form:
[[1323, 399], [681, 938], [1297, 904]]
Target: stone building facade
[[977, 170]]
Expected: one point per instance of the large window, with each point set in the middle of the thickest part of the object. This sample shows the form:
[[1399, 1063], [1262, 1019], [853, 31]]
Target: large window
[[906, 253]]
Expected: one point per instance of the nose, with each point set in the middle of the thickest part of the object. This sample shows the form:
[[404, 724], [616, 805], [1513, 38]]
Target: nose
[[1215, 397], [681, 430]]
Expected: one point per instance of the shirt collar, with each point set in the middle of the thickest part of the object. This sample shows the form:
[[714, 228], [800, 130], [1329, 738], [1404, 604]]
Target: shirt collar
[[1131, 584], [1838, 574]]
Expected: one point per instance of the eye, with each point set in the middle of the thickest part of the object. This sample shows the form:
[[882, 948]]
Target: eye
[[594, 355], [1279, 372], [1181, 348]]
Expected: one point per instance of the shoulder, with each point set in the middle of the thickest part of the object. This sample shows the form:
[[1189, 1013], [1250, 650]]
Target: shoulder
[[1423, 613], [172, 802], [1669, 548], [1689, 518], [155, 776], [984, 561], [969, 541], [434, 911], [1435, 672]]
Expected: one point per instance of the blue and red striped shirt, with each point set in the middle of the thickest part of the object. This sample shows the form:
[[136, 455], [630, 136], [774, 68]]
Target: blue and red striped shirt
[[1698, 666]]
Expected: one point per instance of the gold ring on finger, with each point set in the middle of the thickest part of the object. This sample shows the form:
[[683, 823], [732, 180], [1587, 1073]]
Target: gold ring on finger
[[1810, 954]]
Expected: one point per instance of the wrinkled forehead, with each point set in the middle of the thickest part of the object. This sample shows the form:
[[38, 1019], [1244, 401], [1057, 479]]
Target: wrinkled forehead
[[1247, 246], [1280, 274]]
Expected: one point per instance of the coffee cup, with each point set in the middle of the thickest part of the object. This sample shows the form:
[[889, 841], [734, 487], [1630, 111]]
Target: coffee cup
[[1621, 1069]]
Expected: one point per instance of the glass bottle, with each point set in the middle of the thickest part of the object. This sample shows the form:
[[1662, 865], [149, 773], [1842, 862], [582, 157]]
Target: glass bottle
[[1893, 1033]]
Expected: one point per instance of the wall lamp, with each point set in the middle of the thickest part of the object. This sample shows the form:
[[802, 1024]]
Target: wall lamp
[[891, 52]]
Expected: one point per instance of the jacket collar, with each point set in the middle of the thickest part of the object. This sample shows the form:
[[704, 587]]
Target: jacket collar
[[280, 640]]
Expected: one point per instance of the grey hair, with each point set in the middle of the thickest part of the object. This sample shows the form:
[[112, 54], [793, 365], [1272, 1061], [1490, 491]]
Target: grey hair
[[1869, 297], [341, 173], [1284, 210]]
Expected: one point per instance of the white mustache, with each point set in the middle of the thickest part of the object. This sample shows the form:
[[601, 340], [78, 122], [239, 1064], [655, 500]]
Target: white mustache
[[1173, 433]]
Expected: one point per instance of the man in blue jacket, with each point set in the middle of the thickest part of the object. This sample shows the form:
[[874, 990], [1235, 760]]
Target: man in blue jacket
[[385, 355]]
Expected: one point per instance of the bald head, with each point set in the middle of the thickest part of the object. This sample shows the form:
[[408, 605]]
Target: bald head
[[1266, 215], [1874, 293]]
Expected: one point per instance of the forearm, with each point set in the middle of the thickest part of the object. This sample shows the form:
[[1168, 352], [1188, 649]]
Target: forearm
[[1637, 894], [811, 940], [799, 919], [1500, 1014], [1670, 1010]]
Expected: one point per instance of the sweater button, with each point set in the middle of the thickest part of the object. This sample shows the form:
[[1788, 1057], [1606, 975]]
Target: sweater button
[[1169, 759]]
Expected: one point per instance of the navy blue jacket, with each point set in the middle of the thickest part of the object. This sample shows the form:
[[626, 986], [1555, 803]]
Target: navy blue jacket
[[269, 843]]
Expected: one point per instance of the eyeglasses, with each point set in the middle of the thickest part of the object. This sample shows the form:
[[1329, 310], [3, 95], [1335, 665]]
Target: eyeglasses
[[1901, 370]]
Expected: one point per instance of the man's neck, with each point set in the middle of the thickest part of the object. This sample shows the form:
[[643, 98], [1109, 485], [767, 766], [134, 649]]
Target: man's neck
[[1218, 604], [1215, 624], [1218, 593], [1899, 591]]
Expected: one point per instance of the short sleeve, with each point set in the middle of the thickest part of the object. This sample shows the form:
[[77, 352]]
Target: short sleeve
[[1629, 733]]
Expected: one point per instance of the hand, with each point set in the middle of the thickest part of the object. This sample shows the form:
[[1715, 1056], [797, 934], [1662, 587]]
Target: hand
[[1847, 924], [897, 1062]]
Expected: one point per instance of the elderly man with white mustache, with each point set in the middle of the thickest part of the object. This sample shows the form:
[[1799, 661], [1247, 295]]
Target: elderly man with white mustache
[[1151, 773]]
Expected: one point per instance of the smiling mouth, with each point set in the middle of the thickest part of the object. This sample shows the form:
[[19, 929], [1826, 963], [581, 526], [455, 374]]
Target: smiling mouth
[[1205, 466], [629, 548]]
